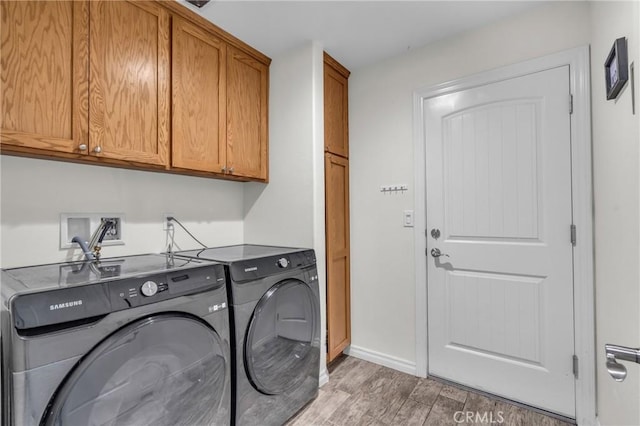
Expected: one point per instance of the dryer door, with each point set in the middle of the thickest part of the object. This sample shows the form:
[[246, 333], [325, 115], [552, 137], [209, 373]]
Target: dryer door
[[167, 369], [282, 339]]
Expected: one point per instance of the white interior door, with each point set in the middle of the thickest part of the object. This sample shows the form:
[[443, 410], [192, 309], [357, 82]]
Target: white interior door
[[500, 303]]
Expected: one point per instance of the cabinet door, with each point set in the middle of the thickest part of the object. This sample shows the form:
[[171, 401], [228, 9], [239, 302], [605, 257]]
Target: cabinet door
[[336, 110], [129, 81], [338, 257], [199, 99], [247, 97], [44, 62]]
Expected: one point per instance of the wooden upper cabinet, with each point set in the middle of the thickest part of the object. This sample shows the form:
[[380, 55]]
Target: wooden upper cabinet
[[44, 62], [199, 99], [336, 107], [247, 103], [129, 81]]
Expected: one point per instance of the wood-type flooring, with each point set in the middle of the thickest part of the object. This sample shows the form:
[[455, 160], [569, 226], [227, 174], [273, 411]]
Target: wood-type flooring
[[363, 393]]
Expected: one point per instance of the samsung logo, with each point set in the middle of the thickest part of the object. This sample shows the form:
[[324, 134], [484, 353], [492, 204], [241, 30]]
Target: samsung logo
[[255, 268], [65, 305]]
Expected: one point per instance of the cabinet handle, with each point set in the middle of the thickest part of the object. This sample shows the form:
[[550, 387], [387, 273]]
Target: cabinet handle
[[97, 150], [224, 170], [82, 147], [231, 170]]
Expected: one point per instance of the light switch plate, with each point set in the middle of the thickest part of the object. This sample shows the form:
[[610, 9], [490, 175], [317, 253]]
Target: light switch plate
[[407, 218]]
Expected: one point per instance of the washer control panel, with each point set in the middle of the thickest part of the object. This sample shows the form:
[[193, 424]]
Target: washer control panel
[[156, 287], [110, 293], [149, 288]]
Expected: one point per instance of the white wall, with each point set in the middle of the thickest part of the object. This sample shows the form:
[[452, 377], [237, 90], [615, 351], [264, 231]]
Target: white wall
[[616, 163], [281, 212], [34, 192], [289, 211], [381, 152]]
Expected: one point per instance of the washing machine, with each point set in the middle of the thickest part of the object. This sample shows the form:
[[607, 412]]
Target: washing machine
[[136, 340], [275, 309]]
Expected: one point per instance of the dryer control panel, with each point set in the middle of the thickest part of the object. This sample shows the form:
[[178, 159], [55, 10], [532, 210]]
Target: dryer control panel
[[252, 269]]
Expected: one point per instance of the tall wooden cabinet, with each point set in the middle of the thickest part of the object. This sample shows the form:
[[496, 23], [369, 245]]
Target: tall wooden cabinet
[[132, 83], [336, 125]]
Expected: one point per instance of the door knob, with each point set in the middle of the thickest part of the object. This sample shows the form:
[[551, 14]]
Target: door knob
[[615, 369], [617, 353], [97, 150], [82, 147], [435, 252]]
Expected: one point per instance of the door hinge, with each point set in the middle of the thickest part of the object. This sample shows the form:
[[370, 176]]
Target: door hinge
[[574, 233], [575, 366], [570, 104]]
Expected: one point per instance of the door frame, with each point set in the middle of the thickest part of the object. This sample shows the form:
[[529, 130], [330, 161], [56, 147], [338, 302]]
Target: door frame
[[582, 206]]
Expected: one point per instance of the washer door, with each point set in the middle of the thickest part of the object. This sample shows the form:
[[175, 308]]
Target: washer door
[[281, 337], [167, 369]]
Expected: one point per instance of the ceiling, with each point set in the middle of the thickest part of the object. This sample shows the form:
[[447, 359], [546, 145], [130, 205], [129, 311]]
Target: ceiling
[[356, 33]]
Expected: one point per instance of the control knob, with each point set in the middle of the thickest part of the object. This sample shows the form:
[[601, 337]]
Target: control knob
[[283, 262], [149, 288]]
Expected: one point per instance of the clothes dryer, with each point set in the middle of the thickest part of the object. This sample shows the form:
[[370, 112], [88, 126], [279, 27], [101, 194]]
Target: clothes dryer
[[131, 340], [275, 308]]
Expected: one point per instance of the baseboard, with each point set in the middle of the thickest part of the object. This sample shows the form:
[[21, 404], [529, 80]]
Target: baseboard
[[324, 376], [382, 359]]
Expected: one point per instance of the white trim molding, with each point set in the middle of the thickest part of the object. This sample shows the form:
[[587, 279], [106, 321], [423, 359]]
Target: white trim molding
[[382, 359], [324, 377], [582, 203]]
